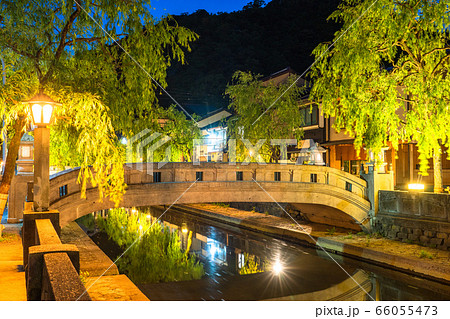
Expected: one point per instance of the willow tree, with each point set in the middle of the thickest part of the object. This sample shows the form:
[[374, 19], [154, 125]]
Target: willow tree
[[386, 77], [102, 60], [265, 114]]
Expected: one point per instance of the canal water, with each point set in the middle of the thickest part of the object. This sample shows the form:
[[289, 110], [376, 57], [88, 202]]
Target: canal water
[[246, 265]]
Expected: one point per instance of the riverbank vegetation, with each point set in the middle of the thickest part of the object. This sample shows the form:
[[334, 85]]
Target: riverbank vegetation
[[151, 252]]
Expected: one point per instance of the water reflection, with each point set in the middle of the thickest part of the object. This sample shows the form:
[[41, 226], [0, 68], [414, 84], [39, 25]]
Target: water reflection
[[244, 265]]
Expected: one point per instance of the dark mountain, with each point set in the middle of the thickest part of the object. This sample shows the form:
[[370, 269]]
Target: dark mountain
[[258, 39]]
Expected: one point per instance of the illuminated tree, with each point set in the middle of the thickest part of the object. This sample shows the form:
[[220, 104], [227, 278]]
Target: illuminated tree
[[106, 87], [386, 77], [263, 112]]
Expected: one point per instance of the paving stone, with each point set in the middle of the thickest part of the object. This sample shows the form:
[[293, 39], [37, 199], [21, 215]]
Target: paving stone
[[441, 235]]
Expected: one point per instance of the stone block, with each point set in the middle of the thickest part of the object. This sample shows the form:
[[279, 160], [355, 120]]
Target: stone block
[[417, 232], [441, 235], [436, 241], [413, 237], [429, 233], [29, 229], [392, 234], [424, 239], [36, 265], [61, 281], [395, 228], [402, 235]]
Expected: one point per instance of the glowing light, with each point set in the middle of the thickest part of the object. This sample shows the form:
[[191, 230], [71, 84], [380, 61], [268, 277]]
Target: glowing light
[[416, 187], [277, 268], [251, 152], [134, 211], [148, 216], [213, 250], [140, 227], [124, 141], [184, 228]]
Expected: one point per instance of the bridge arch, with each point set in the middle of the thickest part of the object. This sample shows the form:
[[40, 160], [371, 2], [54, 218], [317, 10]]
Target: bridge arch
[[304, 186]]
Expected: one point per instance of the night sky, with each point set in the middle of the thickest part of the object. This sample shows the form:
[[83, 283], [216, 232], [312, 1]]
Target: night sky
[[174, 7]]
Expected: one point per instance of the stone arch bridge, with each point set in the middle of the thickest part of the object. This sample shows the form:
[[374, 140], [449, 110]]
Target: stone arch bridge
[[323, 194]]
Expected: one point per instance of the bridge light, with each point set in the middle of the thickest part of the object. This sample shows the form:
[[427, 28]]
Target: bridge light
[[416, 187]]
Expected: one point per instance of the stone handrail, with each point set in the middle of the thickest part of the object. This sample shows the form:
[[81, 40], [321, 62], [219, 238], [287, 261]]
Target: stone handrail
[[143, 173], [52, 268]]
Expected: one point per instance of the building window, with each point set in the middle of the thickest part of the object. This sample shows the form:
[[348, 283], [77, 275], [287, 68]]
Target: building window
[[277, 176], [199, 176], [156, 177], [239, 176], [310, 115], [313, 178], [63, 191], [348, 186], [352, 167]]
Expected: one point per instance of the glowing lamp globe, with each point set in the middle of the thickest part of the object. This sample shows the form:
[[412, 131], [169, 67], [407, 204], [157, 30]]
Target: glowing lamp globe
[[41, 109]]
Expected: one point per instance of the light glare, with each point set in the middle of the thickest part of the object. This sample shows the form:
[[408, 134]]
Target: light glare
[[277, 268], [416, 187]]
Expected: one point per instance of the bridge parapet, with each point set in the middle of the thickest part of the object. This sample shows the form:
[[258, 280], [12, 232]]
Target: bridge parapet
[[141, 173], [220, 182]]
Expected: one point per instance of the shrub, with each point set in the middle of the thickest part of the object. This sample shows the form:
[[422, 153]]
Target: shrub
[[152, 253]]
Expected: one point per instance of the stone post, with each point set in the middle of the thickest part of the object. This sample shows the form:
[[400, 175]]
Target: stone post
[[29, 229], [375, 182], [41, 169]]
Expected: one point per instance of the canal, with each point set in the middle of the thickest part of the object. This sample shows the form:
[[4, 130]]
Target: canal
[[246, 265]]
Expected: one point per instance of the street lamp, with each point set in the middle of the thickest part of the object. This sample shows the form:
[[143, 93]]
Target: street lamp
[[41, 109]]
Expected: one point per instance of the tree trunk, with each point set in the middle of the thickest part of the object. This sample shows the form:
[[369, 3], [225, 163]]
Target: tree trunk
[[10, 163], [437, 170]]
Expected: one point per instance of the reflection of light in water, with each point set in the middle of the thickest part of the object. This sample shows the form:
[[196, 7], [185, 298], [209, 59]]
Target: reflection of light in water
[[212, 250], [277, 267], [216, 252]]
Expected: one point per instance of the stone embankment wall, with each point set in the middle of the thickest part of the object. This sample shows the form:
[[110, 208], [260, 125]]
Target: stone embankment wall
[[422, 218]]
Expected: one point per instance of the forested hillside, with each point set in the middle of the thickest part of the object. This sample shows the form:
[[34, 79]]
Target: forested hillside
[[263, 40]]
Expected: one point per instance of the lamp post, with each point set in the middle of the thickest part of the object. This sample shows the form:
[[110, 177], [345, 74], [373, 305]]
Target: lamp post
[[41, 108]]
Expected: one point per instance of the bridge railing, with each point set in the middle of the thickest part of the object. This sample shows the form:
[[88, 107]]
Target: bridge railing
[[220, 172], [65, 183]]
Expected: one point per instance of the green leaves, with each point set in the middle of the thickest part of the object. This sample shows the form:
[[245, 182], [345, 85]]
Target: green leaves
[[263, 112], [386, 77], [75, 52], [155, 257]]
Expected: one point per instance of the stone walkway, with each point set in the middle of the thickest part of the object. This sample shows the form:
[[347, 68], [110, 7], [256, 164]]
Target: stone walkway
[[12, 276], [412, 258]]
